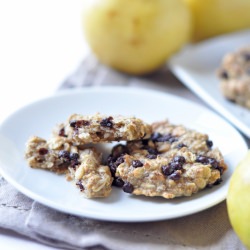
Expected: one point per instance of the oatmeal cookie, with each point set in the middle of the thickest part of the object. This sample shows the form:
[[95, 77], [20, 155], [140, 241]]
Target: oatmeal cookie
[[82, 165], [93, 179], [99, 128], [46, 154], [234, 74], [174, 162]]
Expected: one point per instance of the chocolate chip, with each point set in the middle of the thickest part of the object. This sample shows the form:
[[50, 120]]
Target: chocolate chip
[[137, 164], [224, 74], [62, 132], [113, 163], [151, 156], [179, 159], [209, 185], [43, 151], [79, 184], [175, 176], [220, 169], [153, 151], [247, 57], [107, 122], [78, 123], [72, 123], [172, 139], [113, 168], [209, 161], [218, 181], [74, 156], [64, 154], [119, 150], [163, 138], [181, 145], [74, 163], [128, 187], [176, 165], [213, 162], [209, 143], [145, 142], [155, 136], [118, 182], [202, 159], [167, 169], [119, 160]]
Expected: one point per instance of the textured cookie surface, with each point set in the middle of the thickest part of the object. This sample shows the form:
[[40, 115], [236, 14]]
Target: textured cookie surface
[[83, 166], [99, 128], [234, 74], [174, 162]]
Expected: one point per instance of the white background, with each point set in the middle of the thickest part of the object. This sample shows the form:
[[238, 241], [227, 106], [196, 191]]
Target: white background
[[41, 42]]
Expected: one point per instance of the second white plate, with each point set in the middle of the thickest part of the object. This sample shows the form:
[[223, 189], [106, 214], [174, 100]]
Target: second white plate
[[54, 191], [196, 67]]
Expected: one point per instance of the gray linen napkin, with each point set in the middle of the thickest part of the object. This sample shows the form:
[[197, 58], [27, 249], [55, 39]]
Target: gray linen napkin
[[209, 229]]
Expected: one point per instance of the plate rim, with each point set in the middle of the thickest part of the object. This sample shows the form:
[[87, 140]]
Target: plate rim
[[85, 90], [186, 78]]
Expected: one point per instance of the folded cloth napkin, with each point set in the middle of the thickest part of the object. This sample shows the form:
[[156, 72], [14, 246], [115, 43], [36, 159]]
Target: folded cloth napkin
[[209, 229]]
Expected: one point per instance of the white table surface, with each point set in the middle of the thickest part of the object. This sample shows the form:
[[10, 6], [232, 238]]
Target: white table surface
[[41, 43]]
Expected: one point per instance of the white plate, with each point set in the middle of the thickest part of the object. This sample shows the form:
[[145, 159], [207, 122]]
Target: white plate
[[54, 191], [196, 67]]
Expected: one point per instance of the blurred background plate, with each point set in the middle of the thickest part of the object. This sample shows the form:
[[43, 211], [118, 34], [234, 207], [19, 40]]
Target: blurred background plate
[[196, 67]]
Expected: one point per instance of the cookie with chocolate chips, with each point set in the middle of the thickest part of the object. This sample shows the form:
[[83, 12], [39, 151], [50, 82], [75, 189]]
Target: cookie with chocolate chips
[[82, 166], [174, 161], [234, 75], [82, 129]]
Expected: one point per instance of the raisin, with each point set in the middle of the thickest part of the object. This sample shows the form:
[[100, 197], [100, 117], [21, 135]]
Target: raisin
[[247, 57], [209, 143], [179, 159], [213, 162], [72, 123], [78, 123], [176, 165], [137, 164], [74, 156], [64, 154], [152, 151], [74, 163], [155, 136], [113, 168], [172, 139], [107, 122], [113, 163], [128, 187], [202, 159], [62, 132], [118, 182], [119, 150], [163, 138], [151, 156], [224, 74], [119, 160], [181, 145], [43, 151], [167, 170], [145, 142], [218, 181], [79, 184], [175, 176]]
